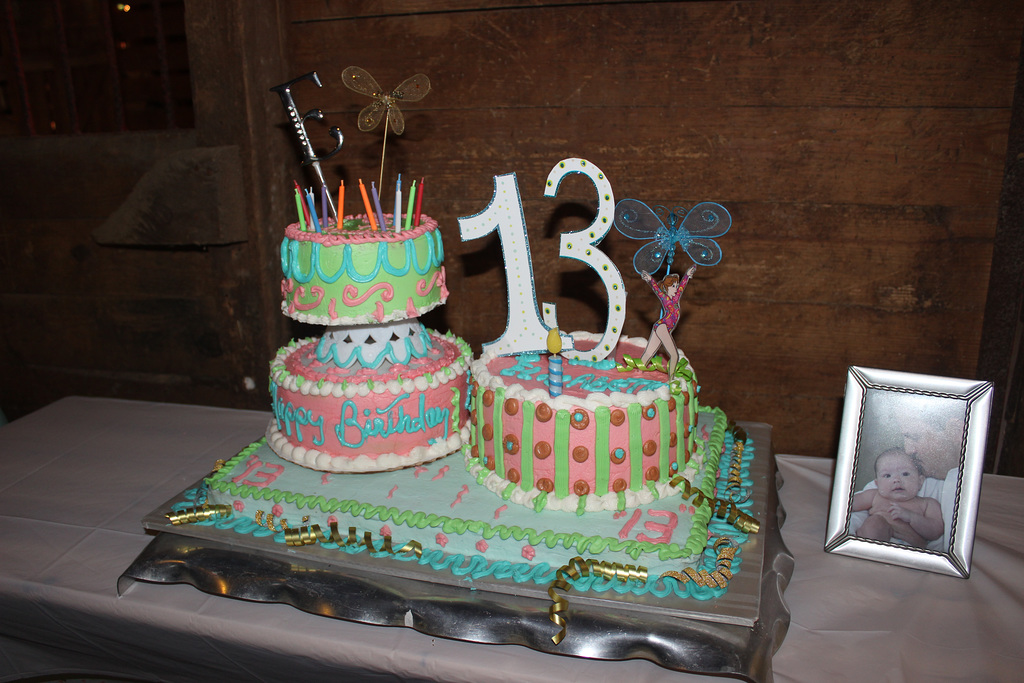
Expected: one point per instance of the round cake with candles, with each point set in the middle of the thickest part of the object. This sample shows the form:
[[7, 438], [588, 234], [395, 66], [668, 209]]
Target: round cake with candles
[[612, 438], [378, 391]]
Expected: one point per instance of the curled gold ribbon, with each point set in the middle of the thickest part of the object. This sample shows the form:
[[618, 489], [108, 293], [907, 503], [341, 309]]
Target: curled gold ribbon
[[719, 507], [310, 535], [197, 513], [577, 568], [722, 573]]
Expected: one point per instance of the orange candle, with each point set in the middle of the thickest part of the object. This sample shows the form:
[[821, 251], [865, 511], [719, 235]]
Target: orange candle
[[366, 203]]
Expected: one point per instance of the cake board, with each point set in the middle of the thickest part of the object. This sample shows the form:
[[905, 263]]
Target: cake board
[[735, 634]]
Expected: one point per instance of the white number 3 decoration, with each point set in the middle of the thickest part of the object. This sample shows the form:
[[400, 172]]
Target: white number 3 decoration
[[525, 332]]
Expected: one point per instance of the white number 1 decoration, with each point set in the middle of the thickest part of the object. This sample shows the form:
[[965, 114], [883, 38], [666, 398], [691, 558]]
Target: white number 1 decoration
[[525, 332]]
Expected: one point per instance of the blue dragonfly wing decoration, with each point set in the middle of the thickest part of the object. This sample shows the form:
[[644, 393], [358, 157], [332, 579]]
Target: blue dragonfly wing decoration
[[706, 219], [636, 220], [703, 250], [650, 257]]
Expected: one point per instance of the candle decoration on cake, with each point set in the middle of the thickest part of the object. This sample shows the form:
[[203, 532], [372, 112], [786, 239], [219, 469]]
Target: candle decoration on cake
[[367, 206], [309, 156], [302, 203], [299, 208], [419, 204], [384, 105], [376, 206], [341, 203], [396, 218], [314, 221], [693, 230], [554, 362], [409, 208], [323, 207]]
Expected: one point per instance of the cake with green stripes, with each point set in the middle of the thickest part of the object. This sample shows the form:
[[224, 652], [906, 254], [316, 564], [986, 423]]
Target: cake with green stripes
[[612, 440]]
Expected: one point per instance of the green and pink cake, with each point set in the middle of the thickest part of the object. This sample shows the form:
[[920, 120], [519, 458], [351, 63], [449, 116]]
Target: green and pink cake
[[378, 391]]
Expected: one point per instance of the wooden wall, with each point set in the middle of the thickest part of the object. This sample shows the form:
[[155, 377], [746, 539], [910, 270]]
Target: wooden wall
[[858, 145]]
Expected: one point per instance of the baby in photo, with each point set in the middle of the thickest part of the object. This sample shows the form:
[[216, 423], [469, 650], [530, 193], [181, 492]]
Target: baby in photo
[[895, 510]]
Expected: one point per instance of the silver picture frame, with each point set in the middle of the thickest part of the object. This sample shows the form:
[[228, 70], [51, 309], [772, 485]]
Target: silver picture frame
[[929, 430]]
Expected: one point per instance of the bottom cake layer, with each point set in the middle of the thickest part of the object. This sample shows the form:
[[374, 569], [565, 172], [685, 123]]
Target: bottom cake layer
[[463, 529]]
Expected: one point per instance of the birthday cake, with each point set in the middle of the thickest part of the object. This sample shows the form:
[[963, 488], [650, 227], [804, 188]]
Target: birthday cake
[[612, 440], [377, 391], [595, 469]]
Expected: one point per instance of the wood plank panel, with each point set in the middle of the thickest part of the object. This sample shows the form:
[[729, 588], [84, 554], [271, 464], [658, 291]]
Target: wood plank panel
[[873, 156], [787, 54]]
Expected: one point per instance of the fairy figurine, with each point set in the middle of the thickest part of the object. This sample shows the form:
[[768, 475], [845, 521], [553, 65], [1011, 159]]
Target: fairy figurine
[[669, 291]]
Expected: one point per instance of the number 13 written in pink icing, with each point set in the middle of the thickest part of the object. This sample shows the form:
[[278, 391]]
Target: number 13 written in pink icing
[[525, 332]]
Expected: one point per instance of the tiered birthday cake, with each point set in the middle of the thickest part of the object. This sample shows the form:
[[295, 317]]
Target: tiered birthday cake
[[593, 468], [377, 391]]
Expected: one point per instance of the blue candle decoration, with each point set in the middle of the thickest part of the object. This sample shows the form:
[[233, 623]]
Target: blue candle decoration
[[554, 363], [313, 220]]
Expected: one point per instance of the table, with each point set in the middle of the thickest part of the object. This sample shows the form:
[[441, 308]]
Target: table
[[77, 476]]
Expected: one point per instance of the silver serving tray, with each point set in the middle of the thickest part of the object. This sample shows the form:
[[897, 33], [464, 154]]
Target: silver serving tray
[[735, 634]]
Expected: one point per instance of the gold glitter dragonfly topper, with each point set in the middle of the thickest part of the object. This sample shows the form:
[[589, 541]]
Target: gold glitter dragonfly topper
[[412, 89]]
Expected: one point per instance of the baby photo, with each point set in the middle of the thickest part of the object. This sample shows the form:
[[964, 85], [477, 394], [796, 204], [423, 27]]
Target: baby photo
[[895, 510]]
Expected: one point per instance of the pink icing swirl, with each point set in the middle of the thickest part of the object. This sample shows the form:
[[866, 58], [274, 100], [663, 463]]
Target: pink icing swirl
[[350, 295], [301, 292]]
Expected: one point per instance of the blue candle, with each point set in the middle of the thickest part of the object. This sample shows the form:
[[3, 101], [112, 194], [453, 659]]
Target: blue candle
[[554, 362]]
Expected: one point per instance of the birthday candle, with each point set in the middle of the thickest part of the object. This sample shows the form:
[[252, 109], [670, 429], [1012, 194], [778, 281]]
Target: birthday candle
[[419, 204], [341, 203], [554, 363], [396, 220], [376, 203], [408, 209], [366, 205], [323, 206], [313, 220], [305, 211], [302, 214]]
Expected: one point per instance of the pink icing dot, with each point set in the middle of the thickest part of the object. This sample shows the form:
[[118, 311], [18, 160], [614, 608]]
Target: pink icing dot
[[441, 539], [419, 470], [529, 553], [277, 510], [497, 513], [385, 530], [239, 505], [481, 546], [325, 479], [332, 520]]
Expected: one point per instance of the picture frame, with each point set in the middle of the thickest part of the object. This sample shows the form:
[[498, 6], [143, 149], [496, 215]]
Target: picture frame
[[911, 451]]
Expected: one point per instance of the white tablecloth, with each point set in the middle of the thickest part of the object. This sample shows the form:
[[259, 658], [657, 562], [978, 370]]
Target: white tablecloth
[[77, 476]]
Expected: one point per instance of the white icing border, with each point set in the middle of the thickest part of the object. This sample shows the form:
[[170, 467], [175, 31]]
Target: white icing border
[[364, 319], [325, 462]]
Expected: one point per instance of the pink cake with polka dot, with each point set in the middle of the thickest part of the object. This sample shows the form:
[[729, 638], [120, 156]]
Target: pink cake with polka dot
[[612, 440]]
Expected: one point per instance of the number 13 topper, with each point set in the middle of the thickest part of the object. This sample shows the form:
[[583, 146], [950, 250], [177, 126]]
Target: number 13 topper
[[693, 230]]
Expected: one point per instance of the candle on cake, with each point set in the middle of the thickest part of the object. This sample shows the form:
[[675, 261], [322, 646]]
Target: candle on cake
[[554, 362]]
